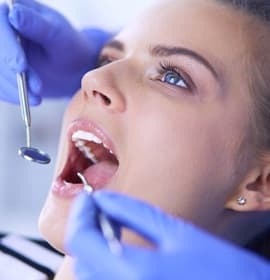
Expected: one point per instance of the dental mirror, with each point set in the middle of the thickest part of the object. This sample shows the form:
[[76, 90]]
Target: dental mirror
[[34, 155], [28, 153]]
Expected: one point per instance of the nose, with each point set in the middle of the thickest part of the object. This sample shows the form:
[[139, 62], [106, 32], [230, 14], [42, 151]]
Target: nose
[[103, 88]]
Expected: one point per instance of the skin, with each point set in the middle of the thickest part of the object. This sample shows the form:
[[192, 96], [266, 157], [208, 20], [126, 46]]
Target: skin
[[184, 150]]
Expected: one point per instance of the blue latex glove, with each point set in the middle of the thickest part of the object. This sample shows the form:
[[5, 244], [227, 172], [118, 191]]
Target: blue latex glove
[[54, 54], [182, 250]]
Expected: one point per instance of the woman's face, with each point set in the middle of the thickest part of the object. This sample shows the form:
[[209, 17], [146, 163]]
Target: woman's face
[[170, 100]]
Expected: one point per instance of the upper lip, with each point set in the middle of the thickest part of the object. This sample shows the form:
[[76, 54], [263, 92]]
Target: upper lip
[[89, 126]]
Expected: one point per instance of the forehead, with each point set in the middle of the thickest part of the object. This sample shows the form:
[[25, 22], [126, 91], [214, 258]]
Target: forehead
[[214, 30]]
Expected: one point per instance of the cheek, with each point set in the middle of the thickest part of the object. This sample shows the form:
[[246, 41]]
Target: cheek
[[180, 164]]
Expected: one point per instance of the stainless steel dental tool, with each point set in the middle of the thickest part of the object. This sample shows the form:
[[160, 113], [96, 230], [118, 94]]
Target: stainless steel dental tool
[[28, 152], [104, 223]]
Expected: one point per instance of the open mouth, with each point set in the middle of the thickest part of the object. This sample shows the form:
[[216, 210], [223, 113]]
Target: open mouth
[[90, 153]]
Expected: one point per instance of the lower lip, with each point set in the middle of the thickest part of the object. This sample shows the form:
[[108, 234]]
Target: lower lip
[[65, 190]]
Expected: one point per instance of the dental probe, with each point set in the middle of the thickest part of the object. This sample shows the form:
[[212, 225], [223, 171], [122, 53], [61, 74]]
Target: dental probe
[[105, 224], [28, 152]]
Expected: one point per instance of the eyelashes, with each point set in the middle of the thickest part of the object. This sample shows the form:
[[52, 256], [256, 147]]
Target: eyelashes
[[172, 75], [104, 60], [167, 73]]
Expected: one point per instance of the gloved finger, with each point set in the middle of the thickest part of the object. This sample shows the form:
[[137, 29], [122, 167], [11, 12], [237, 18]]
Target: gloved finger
[[34, 100], [9, 90], [138, 256], [34, 82], [32, 24], [83, 214], [85, 271], [84, 239], [88, 245], [148, 221], [82, 223], [35, 5], [105, 270], [115, 227], [11, 53]]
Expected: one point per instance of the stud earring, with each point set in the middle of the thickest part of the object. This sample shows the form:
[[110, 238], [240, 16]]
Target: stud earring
[[242, 201]]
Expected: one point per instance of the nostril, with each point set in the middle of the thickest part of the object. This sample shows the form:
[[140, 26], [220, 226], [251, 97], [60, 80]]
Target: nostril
[[106, 100]]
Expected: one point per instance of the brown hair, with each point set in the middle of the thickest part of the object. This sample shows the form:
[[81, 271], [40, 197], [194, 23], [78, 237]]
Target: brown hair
[[258, 63]]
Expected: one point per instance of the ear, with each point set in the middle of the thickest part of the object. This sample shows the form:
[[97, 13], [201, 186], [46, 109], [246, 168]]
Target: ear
[[255, 189]]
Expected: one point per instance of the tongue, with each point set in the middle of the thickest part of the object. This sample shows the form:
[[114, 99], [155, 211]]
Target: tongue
[[100, 173]]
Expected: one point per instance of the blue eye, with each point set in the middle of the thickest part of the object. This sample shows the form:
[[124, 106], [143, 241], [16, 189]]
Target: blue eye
[[170, 74], [174, 79]]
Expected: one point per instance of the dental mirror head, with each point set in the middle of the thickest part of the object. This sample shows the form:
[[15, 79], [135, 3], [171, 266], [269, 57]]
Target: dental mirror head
[[34, 155]]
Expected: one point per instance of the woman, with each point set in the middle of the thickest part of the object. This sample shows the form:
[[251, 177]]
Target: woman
[[174, 116]]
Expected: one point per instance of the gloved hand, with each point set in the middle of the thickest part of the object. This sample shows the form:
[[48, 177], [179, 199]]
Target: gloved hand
[[54, 54], [182, 251]]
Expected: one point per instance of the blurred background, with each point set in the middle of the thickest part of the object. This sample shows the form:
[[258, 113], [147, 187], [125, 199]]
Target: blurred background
[[24, 185]]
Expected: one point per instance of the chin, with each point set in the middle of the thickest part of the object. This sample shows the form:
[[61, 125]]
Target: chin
[[53, 221]]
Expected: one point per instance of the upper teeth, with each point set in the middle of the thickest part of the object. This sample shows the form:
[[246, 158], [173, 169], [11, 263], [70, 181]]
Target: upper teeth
[[84, 135], [80, 137]]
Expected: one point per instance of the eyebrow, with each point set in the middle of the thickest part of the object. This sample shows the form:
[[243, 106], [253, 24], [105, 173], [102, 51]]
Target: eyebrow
[[165, 51], [160, 50]]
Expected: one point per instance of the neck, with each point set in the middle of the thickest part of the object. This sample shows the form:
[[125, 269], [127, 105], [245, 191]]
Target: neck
[[242, 227], [65, 272]]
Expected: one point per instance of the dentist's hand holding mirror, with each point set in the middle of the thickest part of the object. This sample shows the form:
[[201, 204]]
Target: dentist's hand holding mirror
[[53, 53]]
